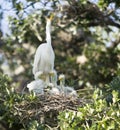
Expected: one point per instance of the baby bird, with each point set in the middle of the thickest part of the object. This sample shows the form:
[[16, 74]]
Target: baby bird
[[66, 90], [36, 86]]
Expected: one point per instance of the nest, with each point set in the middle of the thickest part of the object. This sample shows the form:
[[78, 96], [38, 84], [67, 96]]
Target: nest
[[45, 108]]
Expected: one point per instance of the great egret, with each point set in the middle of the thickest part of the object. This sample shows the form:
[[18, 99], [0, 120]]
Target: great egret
[[44, 56]]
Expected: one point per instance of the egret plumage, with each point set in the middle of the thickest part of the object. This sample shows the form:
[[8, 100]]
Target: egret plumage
[[53, 89], [44, 56], [69, 91]]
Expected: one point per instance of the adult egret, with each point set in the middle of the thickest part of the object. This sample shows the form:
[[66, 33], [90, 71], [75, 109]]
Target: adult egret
[[44, 56]]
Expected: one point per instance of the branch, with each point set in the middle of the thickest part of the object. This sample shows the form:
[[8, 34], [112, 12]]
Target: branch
[[34, 28], [91, 13]]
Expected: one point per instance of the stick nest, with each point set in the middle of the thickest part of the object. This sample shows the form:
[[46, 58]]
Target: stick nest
[[45, 108]]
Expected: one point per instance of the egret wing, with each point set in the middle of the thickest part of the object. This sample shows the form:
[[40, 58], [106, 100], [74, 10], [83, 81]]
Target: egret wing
[[37, 59]]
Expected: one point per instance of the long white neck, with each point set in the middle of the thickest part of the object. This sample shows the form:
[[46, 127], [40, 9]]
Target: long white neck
[[48, 31]]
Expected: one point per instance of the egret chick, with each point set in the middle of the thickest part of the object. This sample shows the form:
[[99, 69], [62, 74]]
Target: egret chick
[[54, 90], [69, 91], [62, 81], [36, 86], [44, 56]]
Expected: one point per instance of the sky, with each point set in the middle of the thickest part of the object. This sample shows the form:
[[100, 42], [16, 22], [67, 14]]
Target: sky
[[8, 11], [6, 7]]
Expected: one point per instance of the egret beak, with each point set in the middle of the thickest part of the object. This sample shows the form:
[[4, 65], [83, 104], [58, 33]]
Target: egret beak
[[51, 16]]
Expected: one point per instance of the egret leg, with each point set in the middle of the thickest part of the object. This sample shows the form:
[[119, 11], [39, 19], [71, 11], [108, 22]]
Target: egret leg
[[53, 77], [47, 79]]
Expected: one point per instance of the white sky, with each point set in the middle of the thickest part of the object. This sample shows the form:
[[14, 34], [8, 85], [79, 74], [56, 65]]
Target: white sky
[[8, 11], [6, 7]]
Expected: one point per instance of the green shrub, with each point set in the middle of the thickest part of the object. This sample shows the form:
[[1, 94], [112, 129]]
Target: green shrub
[[11, 115], [96, 115]]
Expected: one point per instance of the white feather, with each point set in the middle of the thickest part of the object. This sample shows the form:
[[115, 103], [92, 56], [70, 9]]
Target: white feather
[[67, 91], [70, 91], [54, 91]]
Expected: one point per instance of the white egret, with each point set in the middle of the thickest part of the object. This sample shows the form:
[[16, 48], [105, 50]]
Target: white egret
[[44, 57]]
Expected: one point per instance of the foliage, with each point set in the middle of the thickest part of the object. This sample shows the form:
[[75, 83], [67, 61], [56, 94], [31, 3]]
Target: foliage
[[7, 99], [82, 27], [30, 111], [99, 67], [9, 116], [93, 116], [114, 85], [86, 41]]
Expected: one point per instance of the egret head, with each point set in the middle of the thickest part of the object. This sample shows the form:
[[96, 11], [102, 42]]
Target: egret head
[[61, 77], [62, 80], [50, 17], [50, 85]]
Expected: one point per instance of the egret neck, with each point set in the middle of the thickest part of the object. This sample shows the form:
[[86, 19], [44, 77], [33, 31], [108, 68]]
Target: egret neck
[[48, 31]]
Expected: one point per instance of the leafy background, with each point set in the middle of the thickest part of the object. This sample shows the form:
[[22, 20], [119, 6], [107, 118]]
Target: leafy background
[[86, 41]]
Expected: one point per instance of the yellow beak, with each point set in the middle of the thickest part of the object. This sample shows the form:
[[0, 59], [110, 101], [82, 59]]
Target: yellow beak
[[51, 16]]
